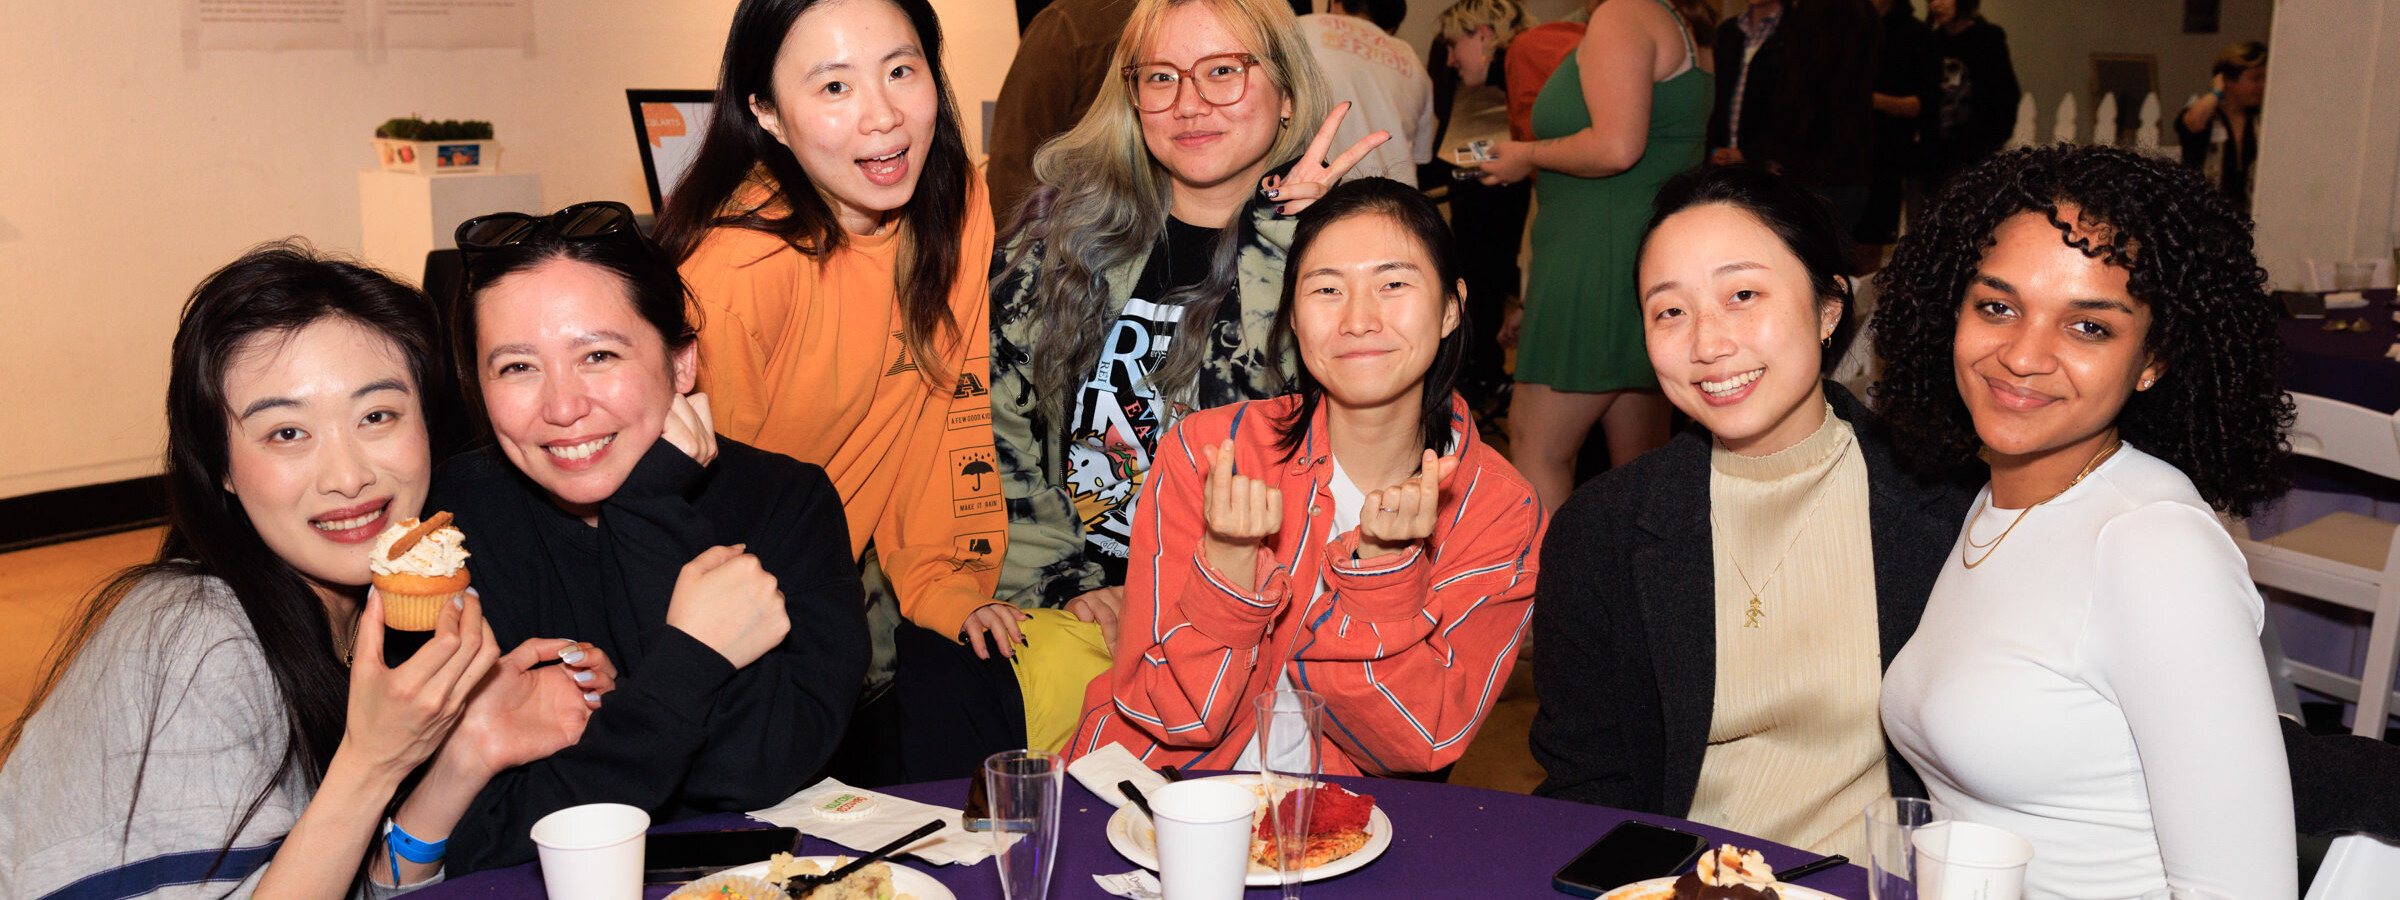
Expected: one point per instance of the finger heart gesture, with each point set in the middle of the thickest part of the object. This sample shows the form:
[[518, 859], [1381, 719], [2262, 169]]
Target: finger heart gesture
[[1240, 510], [1395, 517]]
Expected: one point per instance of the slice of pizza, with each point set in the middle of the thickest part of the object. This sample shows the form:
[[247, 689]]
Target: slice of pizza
[[1337, 826]]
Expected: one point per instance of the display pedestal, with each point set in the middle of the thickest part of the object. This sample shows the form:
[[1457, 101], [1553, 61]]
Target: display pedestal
[[406, 216]]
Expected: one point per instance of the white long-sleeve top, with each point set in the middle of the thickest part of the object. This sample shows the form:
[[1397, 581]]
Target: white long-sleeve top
[[2096, 686]]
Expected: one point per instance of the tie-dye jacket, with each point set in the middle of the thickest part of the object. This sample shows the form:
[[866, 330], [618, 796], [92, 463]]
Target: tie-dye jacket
[[1047, 565]]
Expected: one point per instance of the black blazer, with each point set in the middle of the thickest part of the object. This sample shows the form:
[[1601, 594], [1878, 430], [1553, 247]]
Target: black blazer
[[1624, 618]]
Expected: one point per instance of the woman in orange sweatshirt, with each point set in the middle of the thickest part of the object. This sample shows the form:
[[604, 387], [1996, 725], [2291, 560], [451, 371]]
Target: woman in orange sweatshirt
[[834, 235]]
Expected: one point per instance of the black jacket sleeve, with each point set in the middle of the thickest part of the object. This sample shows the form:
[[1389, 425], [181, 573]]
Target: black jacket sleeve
[[1992, 108], [685, 732], [1728, 52], [1593, 714]]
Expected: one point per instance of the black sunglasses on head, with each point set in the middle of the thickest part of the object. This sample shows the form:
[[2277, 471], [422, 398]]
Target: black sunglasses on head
[[580, 222]]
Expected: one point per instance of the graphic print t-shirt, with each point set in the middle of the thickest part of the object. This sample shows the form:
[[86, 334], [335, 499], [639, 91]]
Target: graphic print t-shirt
[[1118, 417]]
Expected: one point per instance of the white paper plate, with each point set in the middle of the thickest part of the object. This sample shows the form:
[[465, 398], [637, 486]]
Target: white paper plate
[[1131, 834], [904, 879], [1663, 888]]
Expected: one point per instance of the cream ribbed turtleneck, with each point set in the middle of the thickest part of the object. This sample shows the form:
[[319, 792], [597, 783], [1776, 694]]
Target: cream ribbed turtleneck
[[1795, 745]]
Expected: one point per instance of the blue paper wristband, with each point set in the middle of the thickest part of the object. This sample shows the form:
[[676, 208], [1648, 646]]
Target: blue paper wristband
[[408, 847]]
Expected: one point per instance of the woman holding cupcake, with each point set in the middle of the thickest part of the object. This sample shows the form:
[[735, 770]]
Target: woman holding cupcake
[[1715, 616], [225, 717], [836, 236], [2087, 674], [718, 576]]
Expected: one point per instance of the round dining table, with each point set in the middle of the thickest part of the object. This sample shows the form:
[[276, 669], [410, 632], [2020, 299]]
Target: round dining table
[[2345, 365], [1447, 841]]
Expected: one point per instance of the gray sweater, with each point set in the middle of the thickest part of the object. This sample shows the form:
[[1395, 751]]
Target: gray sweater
[[130, 778]]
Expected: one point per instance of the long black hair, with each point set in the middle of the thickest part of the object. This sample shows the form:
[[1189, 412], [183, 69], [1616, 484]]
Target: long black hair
[[1409, 209], [273, 290], [651, 281], [736, 147], [2219, 413]]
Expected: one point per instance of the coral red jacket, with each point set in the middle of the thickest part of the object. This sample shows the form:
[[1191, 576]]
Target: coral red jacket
[[1409, 649]]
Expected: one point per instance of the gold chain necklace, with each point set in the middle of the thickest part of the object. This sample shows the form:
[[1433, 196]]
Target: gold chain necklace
[[1757, 609], [349, 648], [1968, 534]]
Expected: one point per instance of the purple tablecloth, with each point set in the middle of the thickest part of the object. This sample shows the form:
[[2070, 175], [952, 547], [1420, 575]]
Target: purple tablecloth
[[2345, 365], [1449, 842]]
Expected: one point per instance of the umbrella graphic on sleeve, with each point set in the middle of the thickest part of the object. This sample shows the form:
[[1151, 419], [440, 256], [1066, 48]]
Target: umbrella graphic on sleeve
[[976, 468]]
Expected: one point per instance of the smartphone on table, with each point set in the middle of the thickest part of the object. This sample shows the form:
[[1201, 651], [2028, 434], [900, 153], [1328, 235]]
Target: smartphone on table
[[690, 855], [1630, 852]]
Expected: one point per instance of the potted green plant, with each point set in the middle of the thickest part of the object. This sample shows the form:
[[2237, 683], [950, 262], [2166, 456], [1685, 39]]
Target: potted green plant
[[447, 147]]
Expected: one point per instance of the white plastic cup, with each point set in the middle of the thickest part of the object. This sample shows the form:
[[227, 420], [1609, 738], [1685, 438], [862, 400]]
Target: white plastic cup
[[592, 852], [1968, 861], [1203, 839]]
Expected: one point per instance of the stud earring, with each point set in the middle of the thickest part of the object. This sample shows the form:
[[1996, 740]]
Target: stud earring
[[2147, 382]]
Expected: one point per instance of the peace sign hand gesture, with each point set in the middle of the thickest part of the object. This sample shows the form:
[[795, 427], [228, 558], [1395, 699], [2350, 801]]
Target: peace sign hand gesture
[[1239, 511], [1312, 176], [1395, 517]]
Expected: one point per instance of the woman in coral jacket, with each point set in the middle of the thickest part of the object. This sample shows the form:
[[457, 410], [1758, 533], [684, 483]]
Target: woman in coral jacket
[[1398, 576]]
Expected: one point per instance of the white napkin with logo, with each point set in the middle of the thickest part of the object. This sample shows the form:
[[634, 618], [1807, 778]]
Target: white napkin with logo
[[889, 819], [1101, 769], [1134, 885]]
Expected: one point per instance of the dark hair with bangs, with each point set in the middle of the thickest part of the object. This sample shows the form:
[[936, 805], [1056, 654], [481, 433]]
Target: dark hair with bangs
[[1409, 209], [270, 293], [736, 146], [2219, 413]]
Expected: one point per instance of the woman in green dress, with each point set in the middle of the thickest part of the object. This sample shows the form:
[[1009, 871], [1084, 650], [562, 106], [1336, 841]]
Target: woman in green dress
[[1625, 113]]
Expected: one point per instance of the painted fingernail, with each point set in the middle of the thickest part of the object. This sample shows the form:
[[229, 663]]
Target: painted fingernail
[[1273, 193], [584, 677], [590, 697], [571, 657], [458, 602]]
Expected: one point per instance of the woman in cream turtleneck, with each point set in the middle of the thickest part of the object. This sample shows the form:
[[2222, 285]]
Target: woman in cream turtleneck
[[1716, 615]]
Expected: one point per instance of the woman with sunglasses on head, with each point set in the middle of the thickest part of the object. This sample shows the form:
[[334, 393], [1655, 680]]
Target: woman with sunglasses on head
[[1715, 616], [715, 574], [1628, 110], [222, 720], [1355, 538], [2087, 673], [835, 236], [1140, 282]]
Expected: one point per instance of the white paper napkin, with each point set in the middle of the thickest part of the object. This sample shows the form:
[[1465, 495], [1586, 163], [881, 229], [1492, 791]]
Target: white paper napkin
[[1134, 885], [891, 818], [1101, 769], [2345, 300]]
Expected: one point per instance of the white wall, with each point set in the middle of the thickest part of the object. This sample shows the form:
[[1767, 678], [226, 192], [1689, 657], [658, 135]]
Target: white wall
[[129, 170], [2052, 42], [2329, 149]]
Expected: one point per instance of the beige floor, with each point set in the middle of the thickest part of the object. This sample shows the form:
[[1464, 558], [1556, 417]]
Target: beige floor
[[40, 587]]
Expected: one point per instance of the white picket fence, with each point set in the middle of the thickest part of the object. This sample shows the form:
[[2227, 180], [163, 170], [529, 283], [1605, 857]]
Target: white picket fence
[[2154, 134]]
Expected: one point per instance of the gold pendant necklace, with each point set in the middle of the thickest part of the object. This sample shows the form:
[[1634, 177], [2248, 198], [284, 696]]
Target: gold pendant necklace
[[1757, 609], [1993, 546]]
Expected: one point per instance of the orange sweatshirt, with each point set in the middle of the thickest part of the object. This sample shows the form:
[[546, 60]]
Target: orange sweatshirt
[[803, 355]]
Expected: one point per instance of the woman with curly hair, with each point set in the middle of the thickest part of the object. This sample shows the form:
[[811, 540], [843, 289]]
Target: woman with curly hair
[[2087, 673]]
